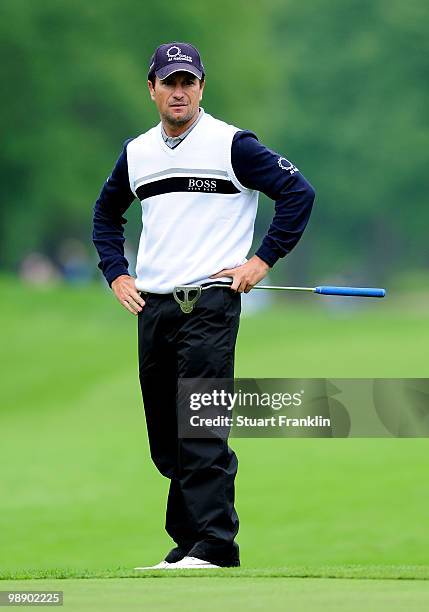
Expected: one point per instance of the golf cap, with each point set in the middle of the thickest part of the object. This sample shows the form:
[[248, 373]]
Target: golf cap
[[175, 57]]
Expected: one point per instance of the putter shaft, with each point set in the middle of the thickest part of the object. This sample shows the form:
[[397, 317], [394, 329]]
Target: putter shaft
[[191, 293]]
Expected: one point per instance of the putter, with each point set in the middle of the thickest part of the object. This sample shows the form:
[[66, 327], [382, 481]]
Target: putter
[[187, 302]]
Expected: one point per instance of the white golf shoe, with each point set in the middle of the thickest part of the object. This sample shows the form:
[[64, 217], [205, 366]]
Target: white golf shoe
[[161, 565], [191, 563]]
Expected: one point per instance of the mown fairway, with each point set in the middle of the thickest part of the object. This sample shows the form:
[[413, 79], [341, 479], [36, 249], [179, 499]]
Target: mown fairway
[[80, 496], [214, 594]]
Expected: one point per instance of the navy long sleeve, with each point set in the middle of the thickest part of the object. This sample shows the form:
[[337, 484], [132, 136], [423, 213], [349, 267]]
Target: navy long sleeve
[[108, 232], [255, 166], [259, 168]]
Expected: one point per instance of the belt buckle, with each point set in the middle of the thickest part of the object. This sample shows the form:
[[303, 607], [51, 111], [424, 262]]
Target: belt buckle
[[187, 303]]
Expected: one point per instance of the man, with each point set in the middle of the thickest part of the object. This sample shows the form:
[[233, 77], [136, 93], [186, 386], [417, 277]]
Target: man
[[198, 180]]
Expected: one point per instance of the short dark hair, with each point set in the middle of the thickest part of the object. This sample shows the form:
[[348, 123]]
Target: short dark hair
[[152, 78]]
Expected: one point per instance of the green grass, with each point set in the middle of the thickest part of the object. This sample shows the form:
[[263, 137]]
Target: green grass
[[214, 593], [81, 498], [358, 572]]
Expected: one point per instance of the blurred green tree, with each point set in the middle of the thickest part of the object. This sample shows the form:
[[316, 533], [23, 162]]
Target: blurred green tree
[[338, 87]]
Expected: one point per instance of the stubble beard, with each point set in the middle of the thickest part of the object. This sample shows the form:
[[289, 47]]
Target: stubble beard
[[178, 121]]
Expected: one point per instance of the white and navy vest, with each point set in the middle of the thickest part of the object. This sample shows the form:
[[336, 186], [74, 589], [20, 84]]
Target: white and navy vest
[[197, 218]]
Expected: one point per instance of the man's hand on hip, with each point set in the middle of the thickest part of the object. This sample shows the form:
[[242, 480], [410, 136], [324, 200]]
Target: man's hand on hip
[[124, 287], [246, 276]]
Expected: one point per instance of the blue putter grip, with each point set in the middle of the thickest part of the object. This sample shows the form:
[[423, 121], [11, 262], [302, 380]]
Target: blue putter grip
[[352, 291]]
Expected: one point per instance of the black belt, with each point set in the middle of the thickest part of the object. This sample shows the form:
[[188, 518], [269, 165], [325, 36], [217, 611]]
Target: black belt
[[168, 295]]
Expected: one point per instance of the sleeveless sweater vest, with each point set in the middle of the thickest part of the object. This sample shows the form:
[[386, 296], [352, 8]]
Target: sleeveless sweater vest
[[197, 218]]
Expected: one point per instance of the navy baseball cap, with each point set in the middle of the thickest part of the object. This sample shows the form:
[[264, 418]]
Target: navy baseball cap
[[175, 57]]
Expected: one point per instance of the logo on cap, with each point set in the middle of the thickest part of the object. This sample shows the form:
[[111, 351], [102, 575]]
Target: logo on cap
[[175, 53]]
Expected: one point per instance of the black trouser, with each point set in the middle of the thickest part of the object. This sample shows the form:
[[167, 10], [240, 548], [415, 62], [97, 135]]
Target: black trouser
[[200, 517]]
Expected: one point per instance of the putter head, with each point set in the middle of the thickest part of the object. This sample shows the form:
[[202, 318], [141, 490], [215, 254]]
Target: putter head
[[187, 302]]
